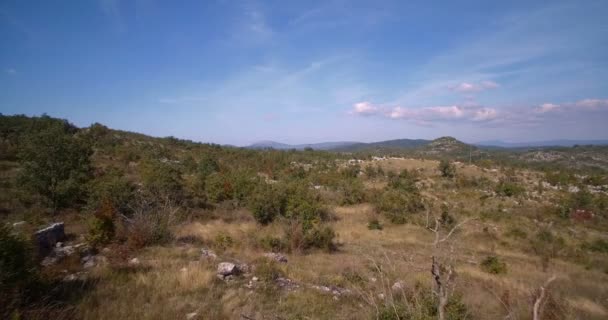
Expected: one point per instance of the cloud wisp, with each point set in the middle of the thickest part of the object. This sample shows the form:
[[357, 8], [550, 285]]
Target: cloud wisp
[[478, 113]]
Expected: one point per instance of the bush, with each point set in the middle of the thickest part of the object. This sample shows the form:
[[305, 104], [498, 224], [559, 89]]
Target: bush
[[397, 205], [352, 191], [161, 180], [421, 304], [374, 224], [223, 241], [405, 181], [320, 238], [599, 245], [17, 270], [274, 244], [447, 169], [150, 224], [493, 265], [218, 188], [509, 188], [112, 186], [266, 204], [55, 164], [101, 227], [268, 270]]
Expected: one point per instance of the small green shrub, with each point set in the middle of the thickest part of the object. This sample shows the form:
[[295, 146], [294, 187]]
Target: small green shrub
[[266, 204], [398, 205], [447, 169], [374, 224], [274, 244], [223, 241], [268, 270], [493, 265], [599, 245], [509, 188], [321, 238]]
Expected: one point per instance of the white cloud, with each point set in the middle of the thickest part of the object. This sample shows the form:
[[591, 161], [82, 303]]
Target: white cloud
[[364, 108], [547, 107], [593, 104], [427, 115], [467, 87]]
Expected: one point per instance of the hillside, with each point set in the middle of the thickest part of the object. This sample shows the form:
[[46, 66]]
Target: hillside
[[163, 228]]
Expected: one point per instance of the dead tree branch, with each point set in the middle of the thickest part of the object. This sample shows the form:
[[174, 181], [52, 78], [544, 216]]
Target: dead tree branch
[[536, 312]]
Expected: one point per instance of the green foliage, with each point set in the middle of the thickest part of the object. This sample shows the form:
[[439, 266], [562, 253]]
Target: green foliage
[[320, 238], [274, 244], [405, 181], [422, 305], [447, 169], [17, 268], [267, 203], [598, 245], [223, 241], [55, 164], [101, 226], [112, 186], [161, 180], [374, 224], [268, 270], [352, 191], [398, 205], [218, 188], [509, 188], [493, 265], [208, 165]]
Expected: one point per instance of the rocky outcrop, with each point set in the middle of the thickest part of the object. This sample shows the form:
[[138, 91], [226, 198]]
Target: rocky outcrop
[[278, 257], [46, 239]]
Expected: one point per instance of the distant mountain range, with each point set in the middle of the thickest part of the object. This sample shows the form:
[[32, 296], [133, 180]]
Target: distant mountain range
[[351, 146], [547, 143]]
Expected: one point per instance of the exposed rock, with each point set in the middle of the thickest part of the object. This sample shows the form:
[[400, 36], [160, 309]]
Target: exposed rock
[[45, 239], [134, 262], [336, 291], [191, 315], [398, 286], [92, 260], [278, 257], [208, 254], [19, 224], [287, 284], [255, 279], [225, 269]]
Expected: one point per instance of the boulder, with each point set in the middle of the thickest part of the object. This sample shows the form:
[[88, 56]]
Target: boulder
[[46, 239], [225, 269], [398, 286]]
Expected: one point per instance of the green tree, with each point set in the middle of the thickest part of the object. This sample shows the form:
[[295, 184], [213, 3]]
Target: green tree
[[161, 180], [55, 164], [267, 203]]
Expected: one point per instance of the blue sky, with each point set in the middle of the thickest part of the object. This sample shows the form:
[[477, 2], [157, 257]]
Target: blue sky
[[242, 71]]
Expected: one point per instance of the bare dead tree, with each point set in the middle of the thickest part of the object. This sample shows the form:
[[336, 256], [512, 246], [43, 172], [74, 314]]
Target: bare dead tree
[[443, 273], [536, 311], [442, 285]]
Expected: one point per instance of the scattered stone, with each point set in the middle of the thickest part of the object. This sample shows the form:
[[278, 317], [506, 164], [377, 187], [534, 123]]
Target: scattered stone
[[192, 315], [92, 260], [134, 262], [336, 291], [381, 296], [398, 286], [278, 257], [19, 224], [255, 279], [208, 254], [287, 284], [225, 269], [46, 238]]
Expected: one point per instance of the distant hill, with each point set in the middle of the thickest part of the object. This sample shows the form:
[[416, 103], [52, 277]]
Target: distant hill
[[283, 146], [383, 145], [547, 143]]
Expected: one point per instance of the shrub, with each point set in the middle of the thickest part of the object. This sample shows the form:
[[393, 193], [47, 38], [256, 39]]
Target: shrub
[[266, 204], [422, 305], [509, 188], [274, 244], [352, 191], [398, 205], [218, 188], [223, 241], [268, 270], [161, 180], [405, 181], [17, 270], [112, 186], [320, 238], [101, 227], [493, 265], [150, 224], [599, 245], [374, 224], [55, 164], [447, 169]]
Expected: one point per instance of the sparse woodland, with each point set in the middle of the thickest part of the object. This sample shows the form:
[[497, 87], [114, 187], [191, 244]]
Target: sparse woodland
[[162, 228]]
